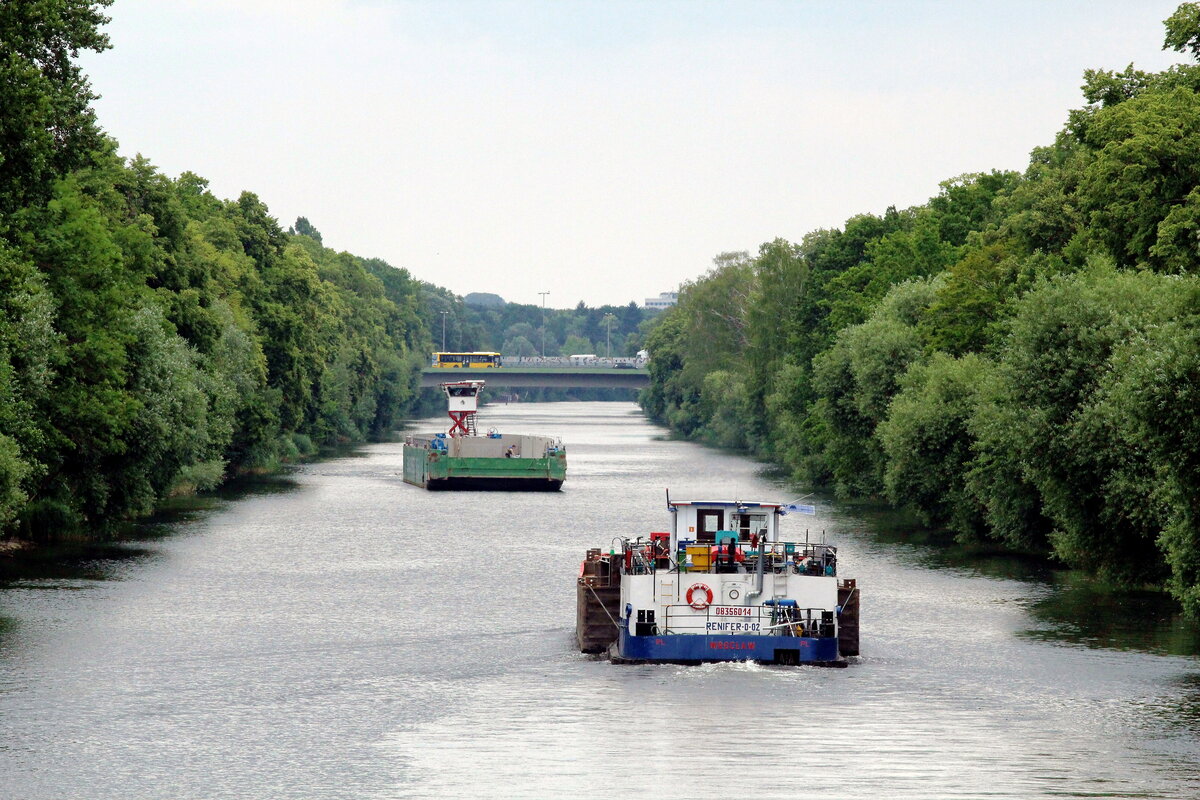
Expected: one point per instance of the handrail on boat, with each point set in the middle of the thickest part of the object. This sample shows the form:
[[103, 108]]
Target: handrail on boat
[[800, 558]]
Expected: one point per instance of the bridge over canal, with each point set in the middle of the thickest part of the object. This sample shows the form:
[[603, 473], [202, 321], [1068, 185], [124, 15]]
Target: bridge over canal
[[554, 377]]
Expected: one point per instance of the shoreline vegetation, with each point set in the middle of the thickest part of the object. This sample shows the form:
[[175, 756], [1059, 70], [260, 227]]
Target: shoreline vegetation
[[156, 340], [1016, 361]]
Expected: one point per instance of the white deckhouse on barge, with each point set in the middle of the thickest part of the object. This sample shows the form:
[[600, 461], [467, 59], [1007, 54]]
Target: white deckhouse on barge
[[721, 585]]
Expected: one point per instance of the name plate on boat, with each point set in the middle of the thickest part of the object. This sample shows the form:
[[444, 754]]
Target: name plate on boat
[[731, 611], [733, 627]]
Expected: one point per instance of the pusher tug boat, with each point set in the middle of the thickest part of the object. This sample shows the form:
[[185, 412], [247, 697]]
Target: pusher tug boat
[[462, 459], [721, 585]]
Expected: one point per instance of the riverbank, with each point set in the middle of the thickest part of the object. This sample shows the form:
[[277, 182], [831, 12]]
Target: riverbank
[[10, 547], [297, 450]]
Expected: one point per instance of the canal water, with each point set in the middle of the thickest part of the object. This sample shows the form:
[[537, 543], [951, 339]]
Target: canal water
[[335, 633]]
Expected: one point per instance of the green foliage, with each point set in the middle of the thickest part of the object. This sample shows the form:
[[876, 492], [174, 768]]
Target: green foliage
[[971, 203], [1151, 396], [724, 407], [170, 431], [996, 478], [520, 347], [1041, 213], [1108, 88], [776, 306], [17, 424], [489, 324], [927, 444], [970, 302], [200, 476], [47, 127], [155, 339], [577, 345], [1015, 360], [13, 471], [708, 332], [858, 376], [1183, 30], [1146, 166], [1094, 481], [305, 228], [917, 251], [669, 396]]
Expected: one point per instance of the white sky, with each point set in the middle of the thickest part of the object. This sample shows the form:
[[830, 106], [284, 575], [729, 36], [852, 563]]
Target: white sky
[[603, 151]]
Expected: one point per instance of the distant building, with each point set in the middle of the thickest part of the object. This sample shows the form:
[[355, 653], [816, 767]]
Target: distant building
[[664, 300]]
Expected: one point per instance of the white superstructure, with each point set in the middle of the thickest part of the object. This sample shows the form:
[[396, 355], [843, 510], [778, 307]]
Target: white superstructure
[[722, 584]]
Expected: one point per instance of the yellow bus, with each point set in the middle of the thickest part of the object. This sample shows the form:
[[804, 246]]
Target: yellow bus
[[466, 360]]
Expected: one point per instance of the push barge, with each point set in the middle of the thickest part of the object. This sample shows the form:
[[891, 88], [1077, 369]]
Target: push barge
[[463, 459], [721, 585]]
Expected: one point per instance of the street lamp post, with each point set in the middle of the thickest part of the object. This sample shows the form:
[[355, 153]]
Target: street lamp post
[[444, 315], [543, 294]]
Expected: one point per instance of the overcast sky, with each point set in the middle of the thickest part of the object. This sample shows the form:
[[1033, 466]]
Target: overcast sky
[[605, 151]]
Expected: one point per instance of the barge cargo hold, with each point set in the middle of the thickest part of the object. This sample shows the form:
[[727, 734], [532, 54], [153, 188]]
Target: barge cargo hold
[[721, 585], [480, 462], [463, 459]]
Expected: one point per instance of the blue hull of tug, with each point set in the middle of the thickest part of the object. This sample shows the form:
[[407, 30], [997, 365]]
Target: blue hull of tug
[[695, 648]]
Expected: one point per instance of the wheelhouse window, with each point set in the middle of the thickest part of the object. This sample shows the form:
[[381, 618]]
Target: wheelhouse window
[[708, 522], [749, 524]]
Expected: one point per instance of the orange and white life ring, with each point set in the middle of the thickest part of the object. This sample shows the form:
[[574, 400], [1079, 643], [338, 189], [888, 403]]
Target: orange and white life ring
[[699, 605]]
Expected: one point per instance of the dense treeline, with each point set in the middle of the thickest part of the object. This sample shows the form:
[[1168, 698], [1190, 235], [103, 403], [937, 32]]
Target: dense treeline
[[517, 329], [1018, 360], [155, 338]]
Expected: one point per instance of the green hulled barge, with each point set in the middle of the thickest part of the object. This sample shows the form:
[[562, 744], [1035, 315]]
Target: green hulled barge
[[464, 459]]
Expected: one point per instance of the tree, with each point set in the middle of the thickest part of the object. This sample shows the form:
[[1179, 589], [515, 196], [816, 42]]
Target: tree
[[915, 252], [856, 379], [520, 347], [971, 203], [974, 297], [781, 276], [519, 329], [305, 228], [577, 345], [1140, 189], [48, 127], [1152, 395], [1095, 482], [927, 442], [1183, 30]]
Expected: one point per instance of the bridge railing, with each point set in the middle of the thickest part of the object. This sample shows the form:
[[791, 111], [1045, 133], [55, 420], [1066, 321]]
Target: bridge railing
[[534, 362]]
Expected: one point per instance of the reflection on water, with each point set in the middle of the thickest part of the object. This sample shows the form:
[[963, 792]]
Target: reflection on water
[[1179, 713], [1078, 611], [337, 633], [1065, 606]]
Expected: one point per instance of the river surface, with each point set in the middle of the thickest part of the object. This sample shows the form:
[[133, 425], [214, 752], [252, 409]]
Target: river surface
[[336, 633]]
